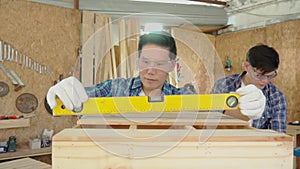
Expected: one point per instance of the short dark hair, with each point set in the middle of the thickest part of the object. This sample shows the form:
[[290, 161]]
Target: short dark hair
[[159, 38], [263, 58]]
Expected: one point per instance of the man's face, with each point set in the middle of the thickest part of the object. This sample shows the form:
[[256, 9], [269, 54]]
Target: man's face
[[154, 66], [256, 77]]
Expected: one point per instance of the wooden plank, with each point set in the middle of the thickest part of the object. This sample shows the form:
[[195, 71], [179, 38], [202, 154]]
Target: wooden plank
[[25, 163], [186, 118], [15, 123], [123, 49], [228, 149], [87, 44], [105, 62], [132, 39], [215, 135]]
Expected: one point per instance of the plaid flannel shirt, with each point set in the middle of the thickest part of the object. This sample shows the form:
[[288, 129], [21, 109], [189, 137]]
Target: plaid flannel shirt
[[275, 113], [128, 87]]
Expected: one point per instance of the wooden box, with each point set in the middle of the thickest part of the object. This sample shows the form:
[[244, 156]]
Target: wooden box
[[170, 141]]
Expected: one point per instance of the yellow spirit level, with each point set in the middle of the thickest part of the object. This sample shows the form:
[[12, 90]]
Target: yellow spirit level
[[142, 104]]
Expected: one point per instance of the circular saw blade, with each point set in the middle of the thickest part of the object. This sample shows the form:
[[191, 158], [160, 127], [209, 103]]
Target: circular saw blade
[[4, 89], [26, 103]]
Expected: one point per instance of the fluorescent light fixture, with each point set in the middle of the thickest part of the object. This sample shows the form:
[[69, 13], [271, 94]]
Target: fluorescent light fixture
[[149, 27], [185, 2]]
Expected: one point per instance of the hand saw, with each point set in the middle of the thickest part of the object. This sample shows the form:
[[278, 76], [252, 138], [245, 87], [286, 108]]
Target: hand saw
[[142, 104]]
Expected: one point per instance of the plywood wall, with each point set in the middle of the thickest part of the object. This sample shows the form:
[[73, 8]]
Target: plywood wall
[[49, 35], [285, 38], [197, 55]]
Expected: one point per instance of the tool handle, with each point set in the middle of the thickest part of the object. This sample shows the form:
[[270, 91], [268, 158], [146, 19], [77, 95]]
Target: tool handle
[[8, 117]]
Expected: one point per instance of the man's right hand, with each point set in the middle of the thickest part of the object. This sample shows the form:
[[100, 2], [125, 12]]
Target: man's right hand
[[252, 101], [70, 91]]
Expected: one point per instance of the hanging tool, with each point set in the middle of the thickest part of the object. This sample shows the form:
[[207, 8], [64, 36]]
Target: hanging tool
[[14, 82], [141, 104], [4, 89], [16, 77], [11, 117], [17, 55], [4, 52], [8, 52], [12, 56], [26, 102]]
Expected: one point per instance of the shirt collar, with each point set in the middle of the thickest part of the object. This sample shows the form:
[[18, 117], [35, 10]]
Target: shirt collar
[[166, 88], [137, 84]]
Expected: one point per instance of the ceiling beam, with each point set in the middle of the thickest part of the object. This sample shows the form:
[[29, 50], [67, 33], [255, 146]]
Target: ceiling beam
[[203, 29], [212, 2]]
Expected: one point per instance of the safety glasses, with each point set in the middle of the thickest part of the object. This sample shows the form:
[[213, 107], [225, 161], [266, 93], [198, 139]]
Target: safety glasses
[[259, 76], [146, 63]]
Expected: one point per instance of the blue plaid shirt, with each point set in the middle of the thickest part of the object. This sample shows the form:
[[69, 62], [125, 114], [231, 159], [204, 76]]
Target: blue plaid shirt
[[128, 87], [275, 114]]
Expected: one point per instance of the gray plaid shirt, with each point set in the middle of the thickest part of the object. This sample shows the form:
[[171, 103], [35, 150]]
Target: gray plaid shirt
[[275, 114]]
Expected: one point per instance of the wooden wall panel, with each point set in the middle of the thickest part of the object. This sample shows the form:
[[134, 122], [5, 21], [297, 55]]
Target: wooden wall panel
[[49, 35], [285, 38]]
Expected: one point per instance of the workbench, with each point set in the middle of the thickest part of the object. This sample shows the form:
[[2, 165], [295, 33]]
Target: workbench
[[189, 140], [24, 163], [25, 152]]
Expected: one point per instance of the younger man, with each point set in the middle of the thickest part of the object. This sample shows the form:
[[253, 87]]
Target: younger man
[[260, 68]]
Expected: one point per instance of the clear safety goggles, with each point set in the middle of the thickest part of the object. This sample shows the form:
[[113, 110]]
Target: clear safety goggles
[[260, 76], [146, 63]]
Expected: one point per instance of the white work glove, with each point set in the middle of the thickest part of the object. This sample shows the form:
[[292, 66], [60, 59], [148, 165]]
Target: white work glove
[[70, 91], [252, 101]]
